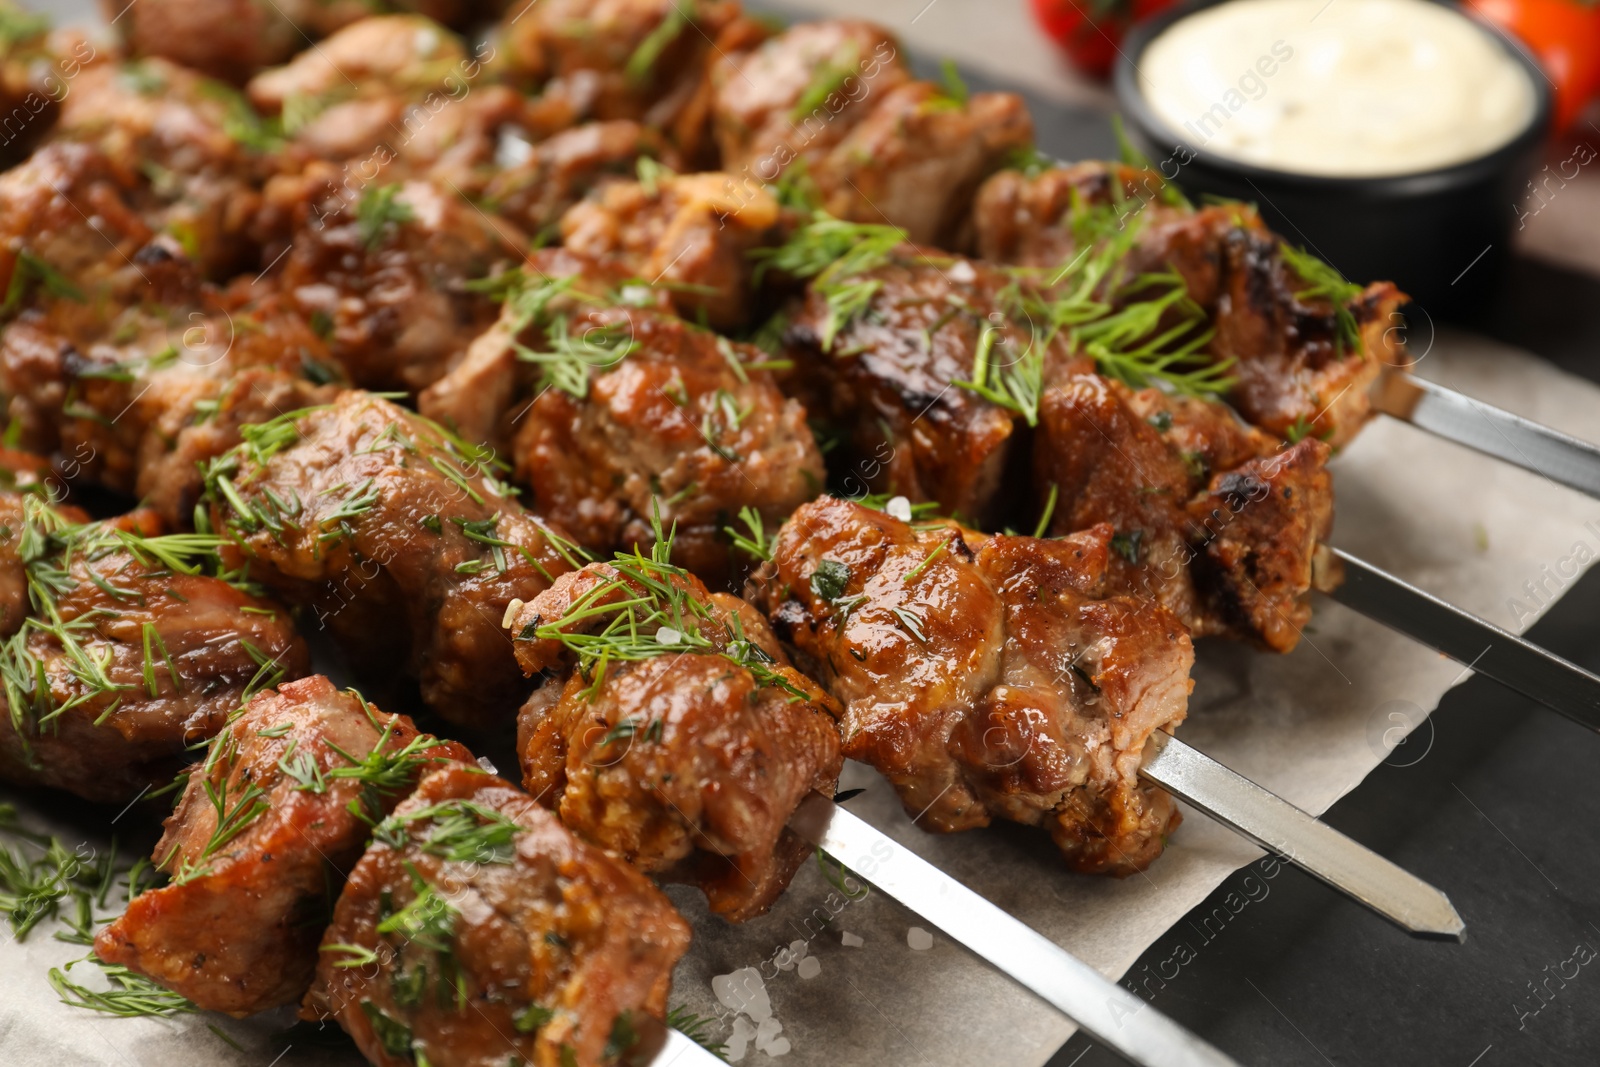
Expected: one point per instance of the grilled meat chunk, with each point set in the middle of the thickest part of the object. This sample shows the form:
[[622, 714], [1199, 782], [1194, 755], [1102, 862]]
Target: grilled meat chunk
[[200, 151], [387, 272], [613, 409], [477, 931], [536, 184], [987, 676], [1220, 524], [678, 422], [482, 398], [129, 656], [686, 756], [881, 351], [918, 157], [691, 234], [795, 97], [35, 65], [235, 39], [400, 540], [80, 226], [1307, 345], [644, 60], [135, 400], [263, 836], [833, 99]]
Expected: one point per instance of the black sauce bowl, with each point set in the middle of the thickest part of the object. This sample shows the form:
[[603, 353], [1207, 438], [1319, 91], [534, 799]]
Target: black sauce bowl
[[1444, 235]]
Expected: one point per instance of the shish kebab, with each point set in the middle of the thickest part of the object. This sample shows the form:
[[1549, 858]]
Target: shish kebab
[[387, 579], [299, 779], [185, 121], [119, 380]]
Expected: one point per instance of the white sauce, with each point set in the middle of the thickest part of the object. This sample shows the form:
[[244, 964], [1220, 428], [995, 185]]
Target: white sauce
[[1336, 87]]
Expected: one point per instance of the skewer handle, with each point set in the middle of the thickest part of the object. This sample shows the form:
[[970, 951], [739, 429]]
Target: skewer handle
[[1491, 430], [1508, 659], [1278, 826], [1111, 1014]]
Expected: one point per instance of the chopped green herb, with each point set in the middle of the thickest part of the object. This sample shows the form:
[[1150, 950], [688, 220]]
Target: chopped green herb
[[377, 210]]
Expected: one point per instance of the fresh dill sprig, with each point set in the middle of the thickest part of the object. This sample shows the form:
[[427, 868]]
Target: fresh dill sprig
[[130, 996], [645, 609], [641, 64], [828, 78], [757, 544], [31, 272], [831, 249], [462, 831], [232, 819], [567, 361], [1326, 283], [696, 1028], [377, 210]]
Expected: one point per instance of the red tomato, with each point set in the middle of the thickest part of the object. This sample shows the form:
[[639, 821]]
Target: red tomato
[[1564, 35], [1091, 31]]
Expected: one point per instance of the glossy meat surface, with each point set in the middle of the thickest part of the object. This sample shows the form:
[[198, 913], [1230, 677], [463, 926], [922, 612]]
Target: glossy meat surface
[[1219, 523], [138, 658], [987, 676], [644, 60], [1308, 345], [688, 760], [833, 100], [235, 39], [887, 374], [198, 148], [387, 272], [677, 420], [690, 234], [397, 539], [266, 831], [477, 931], [135, 402], [610, 407]]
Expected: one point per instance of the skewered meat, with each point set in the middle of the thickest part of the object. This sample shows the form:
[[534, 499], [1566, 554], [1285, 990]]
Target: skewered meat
[[795, 96], [137, 398], [624, 59], [1218, 523], [400, 539], [50, 251], [479, 398], [632, 407], [690, 234], [387, 272], [477, 931], [880, 351], [683, 749], [680, 420], [129, 654], [987, 676], [834, 98], [36, 65], [234, 39], [264, 834], [538, 183], [197, 141], [1307, 344]]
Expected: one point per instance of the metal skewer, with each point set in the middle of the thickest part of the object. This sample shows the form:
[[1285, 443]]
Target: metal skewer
[[1490, 430], [1278, 826], [1105, 1010], [1508, 659]]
